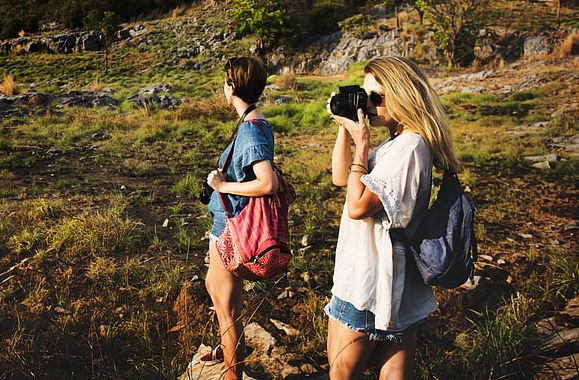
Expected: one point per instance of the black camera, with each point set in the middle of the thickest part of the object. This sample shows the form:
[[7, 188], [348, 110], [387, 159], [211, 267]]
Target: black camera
[[205, 195], [348, 101]]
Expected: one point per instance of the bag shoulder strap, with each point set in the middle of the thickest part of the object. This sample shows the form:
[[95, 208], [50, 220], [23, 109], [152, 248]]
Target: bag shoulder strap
[[229, 155]]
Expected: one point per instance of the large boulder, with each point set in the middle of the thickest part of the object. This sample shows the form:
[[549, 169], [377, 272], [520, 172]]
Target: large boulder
[[92, 41], [541, 44], [331, 54], [351, 49]]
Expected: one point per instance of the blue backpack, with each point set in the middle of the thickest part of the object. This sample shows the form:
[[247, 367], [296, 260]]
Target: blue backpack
[[444, 246]]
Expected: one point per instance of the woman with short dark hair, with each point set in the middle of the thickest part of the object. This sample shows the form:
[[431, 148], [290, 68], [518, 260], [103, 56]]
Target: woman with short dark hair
[[249, 174]]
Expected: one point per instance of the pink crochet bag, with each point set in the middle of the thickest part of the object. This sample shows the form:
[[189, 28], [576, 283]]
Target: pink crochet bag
[[254, 244]]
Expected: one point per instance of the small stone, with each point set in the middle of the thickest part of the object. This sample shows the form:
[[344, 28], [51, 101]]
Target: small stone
[[123, 188], [305, 240], [542, 165], [165, 223], [195, 278], [471, 284], [501, 262], [287, 329], [547, 157], [285, 294]]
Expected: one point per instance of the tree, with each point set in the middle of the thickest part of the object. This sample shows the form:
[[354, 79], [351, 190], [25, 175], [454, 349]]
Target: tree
[[397, 4], [456, 24], [263, 18], [108, 26]]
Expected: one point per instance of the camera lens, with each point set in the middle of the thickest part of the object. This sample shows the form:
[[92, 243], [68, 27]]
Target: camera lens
[[348, 101], [337, 104]]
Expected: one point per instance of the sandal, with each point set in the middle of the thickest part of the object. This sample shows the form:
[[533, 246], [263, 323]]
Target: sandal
[[212, 357]]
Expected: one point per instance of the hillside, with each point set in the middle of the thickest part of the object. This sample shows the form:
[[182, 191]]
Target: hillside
[[103, 240]]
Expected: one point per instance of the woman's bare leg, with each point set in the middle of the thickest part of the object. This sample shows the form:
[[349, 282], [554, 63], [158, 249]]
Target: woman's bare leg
[[348, 351], [225, 291], [397, 360]]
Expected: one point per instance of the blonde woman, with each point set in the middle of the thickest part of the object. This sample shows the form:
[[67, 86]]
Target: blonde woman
[[378, 296]]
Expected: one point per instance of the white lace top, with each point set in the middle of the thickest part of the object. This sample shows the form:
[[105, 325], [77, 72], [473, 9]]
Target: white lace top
[[366, 273]]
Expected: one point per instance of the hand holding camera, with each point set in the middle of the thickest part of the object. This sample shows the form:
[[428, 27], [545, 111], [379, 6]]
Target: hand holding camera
[[348, 109], [347, 102]]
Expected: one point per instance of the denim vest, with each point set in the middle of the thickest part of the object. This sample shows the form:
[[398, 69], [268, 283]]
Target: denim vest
[[254, 142]]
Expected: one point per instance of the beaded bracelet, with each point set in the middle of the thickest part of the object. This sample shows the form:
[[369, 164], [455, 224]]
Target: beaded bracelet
[[359, 165]]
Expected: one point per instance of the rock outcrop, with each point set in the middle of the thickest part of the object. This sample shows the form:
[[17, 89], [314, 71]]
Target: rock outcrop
[[67, 42]]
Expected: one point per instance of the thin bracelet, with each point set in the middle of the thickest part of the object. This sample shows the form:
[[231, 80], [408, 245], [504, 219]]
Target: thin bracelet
[[358, 171], [359, 165]]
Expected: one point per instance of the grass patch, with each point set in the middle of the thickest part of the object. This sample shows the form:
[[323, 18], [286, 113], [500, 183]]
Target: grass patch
[[501, 342], [189, 186]]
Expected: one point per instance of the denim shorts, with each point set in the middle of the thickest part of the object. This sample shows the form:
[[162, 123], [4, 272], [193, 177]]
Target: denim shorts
[[359, 320]]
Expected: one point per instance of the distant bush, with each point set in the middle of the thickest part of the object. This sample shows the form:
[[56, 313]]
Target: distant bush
[[265, 19], [360, 26], [324, 17], [522, 96], [286, 80], [25, 15], [17, 16]]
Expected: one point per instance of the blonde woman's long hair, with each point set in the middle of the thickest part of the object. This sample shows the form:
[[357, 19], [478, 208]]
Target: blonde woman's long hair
[[413, 103]]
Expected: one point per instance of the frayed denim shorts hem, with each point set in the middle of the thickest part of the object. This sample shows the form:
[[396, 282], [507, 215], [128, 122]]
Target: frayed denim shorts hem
[[359, 320]]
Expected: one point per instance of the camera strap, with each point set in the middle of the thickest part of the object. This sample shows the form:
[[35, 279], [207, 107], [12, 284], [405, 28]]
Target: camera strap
[[229, 154], [241, 119]]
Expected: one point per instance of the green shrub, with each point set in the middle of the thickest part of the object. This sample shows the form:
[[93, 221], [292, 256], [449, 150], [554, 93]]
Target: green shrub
[[263, 18], [359, 26], [521, 96], [324, 17]]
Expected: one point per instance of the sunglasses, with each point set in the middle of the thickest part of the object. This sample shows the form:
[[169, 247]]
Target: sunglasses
[[230, 62], [376, 98]]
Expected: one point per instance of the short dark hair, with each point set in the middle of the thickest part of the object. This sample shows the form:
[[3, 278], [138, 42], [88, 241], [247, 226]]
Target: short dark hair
[[248, 77]]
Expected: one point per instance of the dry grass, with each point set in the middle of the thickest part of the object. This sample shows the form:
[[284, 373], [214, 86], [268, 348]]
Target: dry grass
[[96, 84], [179, 11], [8, 86], [569, 46], [214, 105], [286, 80]]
